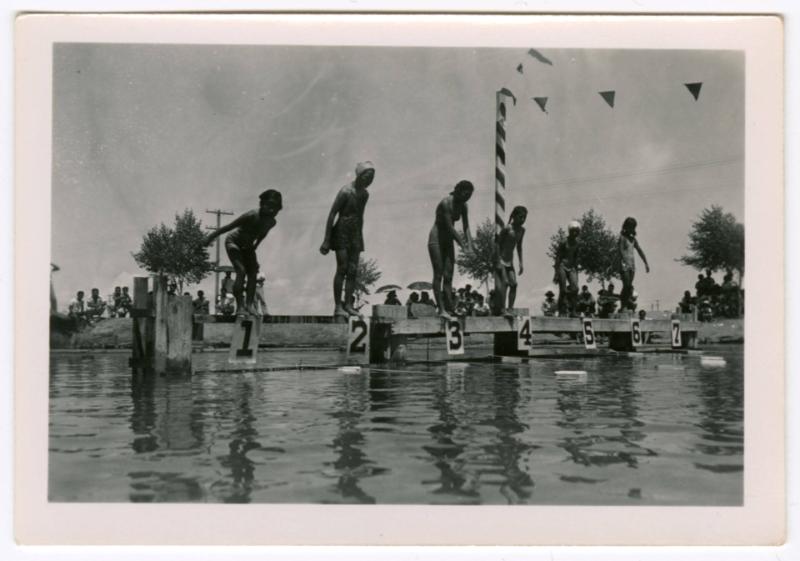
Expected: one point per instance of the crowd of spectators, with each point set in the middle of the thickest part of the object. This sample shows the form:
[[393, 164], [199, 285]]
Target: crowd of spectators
[[712, 300]]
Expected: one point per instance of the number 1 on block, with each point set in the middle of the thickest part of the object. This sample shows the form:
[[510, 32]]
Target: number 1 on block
[[455, 338]]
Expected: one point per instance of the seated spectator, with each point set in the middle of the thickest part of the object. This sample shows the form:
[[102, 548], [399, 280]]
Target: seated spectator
[[123, 307], [226, 305], [549, 306], [172, 288], [705, 309], [642, 315], [412, 300], [114, 302], [424, 298], [481, 308], [392, 299], [586, 303], [77, 307], [95, 306], [200, 305], [607, 301], [261, 299], [687, 303]]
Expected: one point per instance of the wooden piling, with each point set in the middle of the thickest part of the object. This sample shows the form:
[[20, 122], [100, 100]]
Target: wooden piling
[[142, 315], [173, 331]]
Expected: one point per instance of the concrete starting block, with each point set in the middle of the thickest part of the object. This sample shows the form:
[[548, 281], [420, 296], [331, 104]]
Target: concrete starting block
[[244, 344]]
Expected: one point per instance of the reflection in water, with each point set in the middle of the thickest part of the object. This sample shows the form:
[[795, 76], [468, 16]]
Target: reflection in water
[[243, 440], [445, 450], [602, 417], [508, 449], [464, 433], [721, 421], [351, 462]]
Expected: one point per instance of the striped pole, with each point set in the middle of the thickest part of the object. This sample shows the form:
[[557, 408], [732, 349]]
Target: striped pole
[[500, 162]]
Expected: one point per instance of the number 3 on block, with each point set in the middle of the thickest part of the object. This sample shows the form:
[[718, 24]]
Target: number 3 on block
[[357, 336], [676, 334], [588, 334], [455, 339]]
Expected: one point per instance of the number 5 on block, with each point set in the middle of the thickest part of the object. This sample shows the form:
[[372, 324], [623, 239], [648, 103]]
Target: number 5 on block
[[358, 339], [588, 334], [455, 338]]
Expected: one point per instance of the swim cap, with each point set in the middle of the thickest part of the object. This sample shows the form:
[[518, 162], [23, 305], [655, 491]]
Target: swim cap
[[574, 225], [364, 166]]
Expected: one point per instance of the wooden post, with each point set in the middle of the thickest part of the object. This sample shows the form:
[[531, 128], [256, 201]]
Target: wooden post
[[142, 342], [173, 331]]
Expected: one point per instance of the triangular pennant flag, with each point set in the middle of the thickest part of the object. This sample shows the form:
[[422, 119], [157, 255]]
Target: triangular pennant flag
[[694, 89], [540, 57], [609, 97], [519, 68], [541, 102], [506, 91]]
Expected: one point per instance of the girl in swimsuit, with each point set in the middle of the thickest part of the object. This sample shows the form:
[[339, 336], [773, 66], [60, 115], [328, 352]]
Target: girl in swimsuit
[[343, 234], [246, 233], [442, 240], [627, 245]]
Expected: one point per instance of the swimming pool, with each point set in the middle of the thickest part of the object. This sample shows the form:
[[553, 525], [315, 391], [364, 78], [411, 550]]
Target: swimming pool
[[657, 429]]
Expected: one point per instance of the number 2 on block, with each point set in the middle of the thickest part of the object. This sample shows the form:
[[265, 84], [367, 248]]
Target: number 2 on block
[[358, 334]]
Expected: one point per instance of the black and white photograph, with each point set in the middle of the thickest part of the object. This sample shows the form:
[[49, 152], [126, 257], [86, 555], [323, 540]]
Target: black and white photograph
[[296, 273]]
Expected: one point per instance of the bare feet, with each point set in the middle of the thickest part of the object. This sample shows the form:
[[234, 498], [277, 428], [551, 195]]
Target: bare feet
[[350, 310]]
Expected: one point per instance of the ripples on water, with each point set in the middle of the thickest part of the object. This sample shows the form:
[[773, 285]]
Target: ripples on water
[[658, 429]]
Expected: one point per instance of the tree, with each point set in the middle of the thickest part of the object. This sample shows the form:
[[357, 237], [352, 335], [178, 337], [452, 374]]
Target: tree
[[478, 264], [716, 241], [178, 253], [598, 254], [367, 274]]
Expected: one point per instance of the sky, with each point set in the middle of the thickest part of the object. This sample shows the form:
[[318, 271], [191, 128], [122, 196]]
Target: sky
[[142, 132]]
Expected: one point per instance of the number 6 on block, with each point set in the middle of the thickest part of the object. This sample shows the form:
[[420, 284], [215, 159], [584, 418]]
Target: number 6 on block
[[588, 334], [358, 339], [676, 334], [636, 333], [454, 337]]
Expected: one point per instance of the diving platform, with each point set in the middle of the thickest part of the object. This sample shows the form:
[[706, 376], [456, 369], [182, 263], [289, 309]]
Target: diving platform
[[164, 327]]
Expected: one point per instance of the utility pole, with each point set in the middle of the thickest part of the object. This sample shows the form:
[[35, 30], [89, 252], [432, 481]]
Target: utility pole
[[219, 213]]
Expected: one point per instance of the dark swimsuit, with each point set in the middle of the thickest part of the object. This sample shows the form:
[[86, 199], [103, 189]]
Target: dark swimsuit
[[440, 235], [347, 232], [242, 239]]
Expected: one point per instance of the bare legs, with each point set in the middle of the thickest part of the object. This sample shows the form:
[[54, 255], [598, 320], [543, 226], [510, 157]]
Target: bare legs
[[443, 262], [627, 288], [244, 287], [346, 271]]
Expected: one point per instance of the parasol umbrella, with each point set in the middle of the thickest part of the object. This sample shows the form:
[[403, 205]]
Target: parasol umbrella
[[420, 285], [388, 287]]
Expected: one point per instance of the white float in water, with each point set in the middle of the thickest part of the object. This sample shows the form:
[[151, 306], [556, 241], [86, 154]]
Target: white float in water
[[350, 369], [572, 376], [570, 372], [712, 361]]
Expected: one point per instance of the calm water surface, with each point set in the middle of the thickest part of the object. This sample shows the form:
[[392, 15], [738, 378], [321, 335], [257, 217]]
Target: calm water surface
[[657, 429]]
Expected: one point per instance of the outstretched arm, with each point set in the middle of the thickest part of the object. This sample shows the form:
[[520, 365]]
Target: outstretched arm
[[641, 254], [227, 228]]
